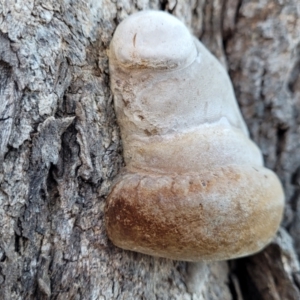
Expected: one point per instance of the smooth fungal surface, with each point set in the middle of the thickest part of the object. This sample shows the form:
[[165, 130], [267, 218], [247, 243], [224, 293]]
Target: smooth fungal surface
[[194, 187]]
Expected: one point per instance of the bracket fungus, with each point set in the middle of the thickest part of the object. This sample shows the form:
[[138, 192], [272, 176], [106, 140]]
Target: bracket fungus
[[194, 187]]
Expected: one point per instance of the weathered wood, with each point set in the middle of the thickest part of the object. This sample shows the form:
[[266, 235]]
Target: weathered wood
[[60, 148]]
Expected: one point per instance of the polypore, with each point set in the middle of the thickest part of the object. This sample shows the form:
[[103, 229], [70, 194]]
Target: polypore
[[194, 186]]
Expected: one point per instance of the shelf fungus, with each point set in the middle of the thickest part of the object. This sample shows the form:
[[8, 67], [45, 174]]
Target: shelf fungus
[[194, 187]]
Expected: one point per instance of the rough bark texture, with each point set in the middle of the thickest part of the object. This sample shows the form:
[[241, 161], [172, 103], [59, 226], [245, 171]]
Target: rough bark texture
[[60, 148]]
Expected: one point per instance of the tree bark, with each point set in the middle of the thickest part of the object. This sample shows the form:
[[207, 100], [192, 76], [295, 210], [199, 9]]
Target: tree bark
[[60, 148]]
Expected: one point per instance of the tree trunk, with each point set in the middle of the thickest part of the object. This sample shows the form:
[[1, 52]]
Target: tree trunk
[[60, 148]]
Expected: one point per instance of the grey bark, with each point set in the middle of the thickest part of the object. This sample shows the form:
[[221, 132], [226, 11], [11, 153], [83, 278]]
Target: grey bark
[[60, 148]]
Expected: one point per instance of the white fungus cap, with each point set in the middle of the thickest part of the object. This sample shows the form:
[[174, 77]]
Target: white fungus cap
[[194, 187], [153, 39]]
